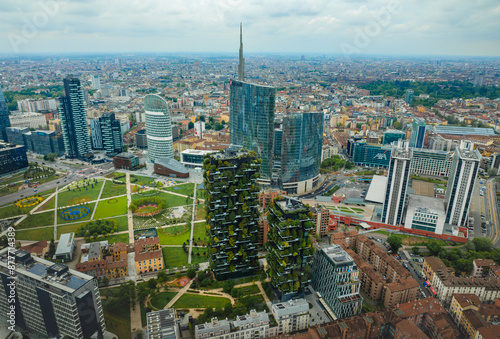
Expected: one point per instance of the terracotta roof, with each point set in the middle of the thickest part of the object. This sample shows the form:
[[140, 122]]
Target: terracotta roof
[[148, 255], [474, 318], [484, 262], [36, 247], [465, 300]]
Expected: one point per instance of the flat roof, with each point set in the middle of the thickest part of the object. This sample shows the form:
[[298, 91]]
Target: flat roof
[[459, 130], [65, 243], [337, 254], [423, 188], [434, 205], [376, 191]]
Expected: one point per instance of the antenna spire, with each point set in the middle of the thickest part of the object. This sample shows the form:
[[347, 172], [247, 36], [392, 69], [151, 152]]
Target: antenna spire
[[241, 65]]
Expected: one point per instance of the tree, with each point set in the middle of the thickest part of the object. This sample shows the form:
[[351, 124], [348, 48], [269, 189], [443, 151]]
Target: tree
[[190, 125], [50, 157], [415, 249], [482, 244], [492, 172], [397, 125], [202, 118], [434, 247], [395, 242], [105, 281], [191, 273]]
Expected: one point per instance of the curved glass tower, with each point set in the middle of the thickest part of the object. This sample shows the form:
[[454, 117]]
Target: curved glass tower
[[158, 128]]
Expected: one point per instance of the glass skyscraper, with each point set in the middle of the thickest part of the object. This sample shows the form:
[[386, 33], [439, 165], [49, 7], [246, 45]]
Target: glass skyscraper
[[252, 122], [111, 134], [73, 115], [417, 133], [301, 151], [158, 128], [4, 116]]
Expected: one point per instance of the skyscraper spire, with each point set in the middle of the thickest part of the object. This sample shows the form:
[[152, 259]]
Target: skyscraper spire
[[241, 65]]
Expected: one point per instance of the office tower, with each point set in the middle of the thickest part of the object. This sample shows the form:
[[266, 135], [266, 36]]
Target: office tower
[[252, 122], [96, 82], [111, 134], [73, 115], [302, 139], [230, 181], [44, 142], [371, 155], [336, 279], [417, 133], [4, 116], [158, 128], [409, 96], [430, 162], [464, 168], [141, 139], [290, 247], [96, 134], [51, 301], [241, 64], [397, 184], [393, 135], [12, 158], [17, 135]]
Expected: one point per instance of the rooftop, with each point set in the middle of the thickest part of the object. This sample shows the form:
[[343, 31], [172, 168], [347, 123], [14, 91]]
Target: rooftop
[[337, 254], [65, 243], [172, 164]]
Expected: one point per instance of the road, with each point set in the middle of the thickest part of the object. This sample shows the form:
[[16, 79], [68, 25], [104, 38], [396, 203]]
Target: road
[[485, 206]]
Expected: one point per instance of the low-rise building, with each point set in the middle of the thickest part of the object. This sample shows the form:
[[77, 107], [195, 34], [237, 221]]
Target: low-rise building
[[65, 247], [253, 325], [148, 255], [481, 267], [170, 167], [425, 213], [126, 161], [12, 158], [162, 324], [291, 316]]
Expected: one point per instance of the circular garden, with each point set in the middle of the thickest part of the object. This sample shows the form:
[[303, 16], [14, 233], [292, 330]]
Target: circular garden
[[75, 213], [148, 207], [29, 201]]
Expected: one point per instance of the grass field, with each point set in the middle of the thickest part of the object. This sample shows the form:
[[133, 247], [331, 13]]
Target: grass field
[[201, 214], [11, 211], [195, 259], [174, 256], [160, 300], [118, 322], [111, 207], [186, 189], [48, 204], [167, 236], [86, 218], [199, 234], [74, 197], [249, 290], [122, 226], [37, 220], [200, 194], [200, 301], [171, 199], [115, 238], [46, 233], [112, 190]]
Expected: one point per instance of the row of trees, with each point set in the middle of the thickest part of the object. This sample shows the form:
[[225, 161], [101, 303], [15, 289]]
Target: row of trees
[[336, 163], [97, 227]]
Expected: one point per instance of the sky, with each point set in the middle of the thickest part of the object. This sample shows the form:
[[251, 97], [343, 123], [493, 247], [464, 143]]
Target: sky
[[348, 27]]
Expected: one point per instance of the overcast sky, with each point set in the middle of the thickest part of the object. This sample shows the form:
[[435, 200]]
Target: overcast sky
[[399, 27]]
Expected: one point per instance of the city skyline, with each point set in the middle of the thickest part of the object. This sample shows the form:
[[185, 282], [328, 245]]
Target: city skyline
[[340, 27]]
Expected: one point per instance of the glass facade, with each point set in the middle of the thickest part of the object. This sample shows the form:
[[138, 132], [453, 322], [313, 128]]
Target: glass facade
[[73, 115], [4, 116], [390, 137], [158, 128], [12, 159], [301, 147], [252, 121], [371, 155], [417, 133], [111, 134]]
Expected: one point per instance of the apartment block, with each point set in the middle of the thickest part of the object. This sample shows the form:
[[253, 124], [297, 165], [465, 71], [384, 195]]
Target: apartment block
[[291, 316], [148, 255], [254, 325]]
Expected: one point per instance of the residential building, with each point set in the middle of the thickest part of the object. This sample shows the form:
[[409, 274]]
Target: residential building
[[158, 128], [481, 267], [193, 158], [301, 152], [397, 184], [148, 255], [126, 161], [4, 116], [111, 134], [464, 169], [232, 222], [31, 105], [52, 301], [254, 325], [98, 266], [425, 213], [65, 247], [73, 115], [252, 122], [417, 136], [96, 134], [289, 246], [170, 167], [336, 278], [162, 324], [291, 315], [267, 196], [12, 158], [431, 163], [322, 216]]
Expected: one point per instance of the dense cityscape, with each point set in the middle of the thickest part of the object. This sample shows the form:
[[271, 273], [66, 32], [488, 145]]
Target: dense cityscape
[[249, 195]]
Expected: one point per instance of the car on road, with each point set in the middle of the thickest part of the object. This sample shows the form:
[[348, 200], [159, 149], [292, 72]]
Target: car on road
[[35, 190], [22, 195]]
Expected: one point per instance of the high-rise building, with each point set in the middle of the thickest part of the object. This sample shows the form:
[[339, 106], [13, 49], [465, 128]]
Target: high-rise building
[[96, 134], [417, 133], [393, 135], [43, 142], [96, 82], [73, 115], [397, 184], [50, 300], [409, 96], [141, 139], [111, 134], [464, 168], [301, 143], [4, 116], [290, 247], [336, 279], [241, 64], [12, 158], [371, 155], [232, 206], [430, 162], [158, 128], [252, 122]]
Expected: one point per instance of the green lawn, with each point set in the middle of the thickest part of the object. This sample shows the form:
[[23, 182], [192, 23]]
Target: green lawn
[[115, 238], [186, 189], [167, 236], [112, 190], [195, 259], [74, 197], [201, 213], [200, 301], [111, 207], [118, 322], [141, 179], [171, 199], [37, 220], [46, 233], [199, 234], [200, 194], [160, 300], [174, 257], [122, 226], [249, 290], [11, 211], [122, 223], [87, 217], [48, 204]]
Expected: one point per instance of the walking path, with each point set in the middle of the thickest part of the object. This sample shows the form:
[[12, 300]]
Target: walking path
[[98, 199], [130, 218], [178, 295], [55, 214], [192, 227]]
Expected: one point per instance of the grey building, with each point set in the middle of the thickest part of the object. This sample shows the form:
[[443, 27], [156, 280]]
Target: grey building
[[44, 142], [12, 158], [430, 162], [111, 134], [162, 325], [141, 139], [17, 136], [50, 300], [65, 247], [95, 134], [336, 279], [73, 115], [254, 325], [175, 132], [409, 96], [417, 133], [158, 128], [4, 116], [291, 316]]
